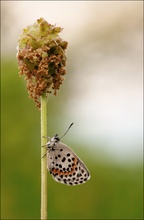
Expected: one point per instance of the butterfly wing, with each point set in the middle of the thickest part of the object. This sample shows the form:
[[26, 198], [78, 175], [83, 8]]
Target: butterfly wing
[[65, 166]]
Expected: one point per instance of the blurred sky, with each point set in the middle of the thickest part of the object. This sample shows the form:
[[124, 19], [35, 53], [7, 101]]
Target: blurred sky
[[105, 61]]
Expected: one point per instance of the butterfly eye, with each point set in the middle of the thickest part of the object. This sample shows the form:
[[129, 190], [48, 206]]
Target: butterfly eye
[[55, 138]]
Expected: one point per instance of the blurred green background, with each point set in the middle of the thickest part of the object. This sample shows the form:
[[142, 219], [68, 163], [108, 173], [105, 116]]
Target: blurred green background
[[102, 95]]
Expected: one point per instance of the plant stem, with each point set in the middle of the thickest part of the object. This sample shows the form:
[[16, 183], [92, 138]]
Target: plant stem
[[43, 159]]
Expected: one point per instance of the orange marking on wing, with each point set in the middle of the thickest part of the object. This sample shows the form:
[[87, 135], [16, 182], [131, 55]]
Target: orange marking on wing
[[57, 171]]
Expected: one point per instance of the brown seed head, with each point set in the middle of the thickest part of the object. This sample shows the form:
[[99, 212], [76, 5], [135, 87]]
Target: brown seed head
[[41, 58]]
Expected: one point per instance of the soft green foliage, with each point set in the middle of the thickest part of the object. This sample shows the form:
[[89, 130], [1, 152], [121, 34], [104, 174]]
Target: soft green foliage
[[113, 192]]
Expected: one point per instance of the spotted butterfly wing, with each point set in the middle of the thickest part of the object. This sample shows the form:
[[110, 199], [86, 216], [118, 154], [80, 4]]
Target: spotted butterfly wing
[[64, 165]]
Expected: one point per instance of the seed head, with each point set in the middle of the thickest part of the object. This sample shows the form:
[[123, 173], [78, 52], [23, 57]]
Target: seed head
[[41, 58]]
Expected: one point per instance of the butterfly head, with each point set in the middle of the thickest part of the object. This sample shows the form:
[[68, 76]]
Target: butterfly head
[[53, 141]]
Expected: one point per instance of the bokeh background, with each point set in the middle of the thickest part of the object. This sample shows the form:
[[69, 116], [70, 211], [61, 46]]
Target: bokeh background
[[102, 95]]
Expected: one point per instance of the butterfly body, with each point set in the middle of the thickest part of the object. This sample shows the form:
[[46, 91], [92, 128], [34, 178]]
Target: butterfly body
[[64, 165]]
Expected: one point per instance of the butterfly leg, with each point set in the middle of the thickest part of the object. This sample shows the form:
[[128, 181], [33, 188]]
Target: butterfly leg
[[44, 155], [46, 137]]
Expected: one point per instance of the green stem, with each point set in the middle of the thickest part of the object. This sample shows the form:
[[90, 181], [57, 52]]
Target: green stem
[[43, 159]]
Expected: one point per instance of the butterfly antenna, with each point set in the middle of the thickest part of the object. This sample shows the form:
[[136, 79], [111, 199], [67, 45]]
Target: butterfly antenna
[[67, 130]]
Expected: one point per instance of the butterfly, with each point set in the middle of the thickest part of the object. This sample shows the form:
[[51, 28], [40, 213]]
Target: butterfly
[[63, 164]]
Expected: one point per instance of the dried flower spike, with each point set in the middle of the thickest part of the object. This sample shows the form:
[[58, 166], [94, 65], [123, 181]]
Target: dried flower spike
[[41, 58]]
